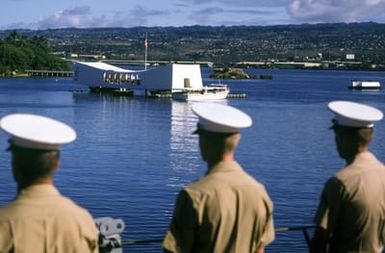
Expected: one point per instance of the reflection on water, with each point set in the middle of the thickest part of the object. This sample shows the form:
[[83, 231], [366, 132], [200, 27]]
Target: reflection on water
[[184, 148], [184, 154], [183, 143], [129, 138]]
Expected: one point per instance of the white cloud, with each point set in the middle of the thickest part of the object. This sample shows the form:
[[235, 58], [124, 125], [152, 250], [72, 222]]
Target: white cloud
[[76, 17], [203, 16], [82, 10], [140, 15], [242, 3], [215, 14], [209, 12], [82, 17], [336, 10]]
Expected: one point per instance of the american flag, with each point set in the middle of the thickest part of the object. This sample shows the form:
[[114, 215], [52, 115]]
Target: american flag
[[145, 43]]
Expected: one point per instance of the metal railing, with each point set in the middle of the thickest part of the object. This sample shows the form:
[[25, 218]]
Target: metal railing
[[111, 240], [304, 230]]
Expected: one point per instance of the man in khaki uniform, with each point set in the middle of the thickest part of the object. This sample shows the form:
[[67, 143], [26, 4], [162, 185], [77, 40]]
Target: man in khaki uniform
[[351, 213], [40, 219], [226, 210]]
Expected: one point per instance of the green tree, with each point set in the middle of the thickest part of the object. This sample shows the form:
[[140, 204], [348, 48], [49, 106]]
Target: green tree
[[18, 53], [16, 39], [13, 58], [40, 43]]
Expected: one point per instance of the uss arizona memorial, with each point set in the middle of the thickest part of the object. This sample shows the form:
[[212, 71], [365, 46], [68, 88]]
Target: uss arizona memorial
[[171, 78]]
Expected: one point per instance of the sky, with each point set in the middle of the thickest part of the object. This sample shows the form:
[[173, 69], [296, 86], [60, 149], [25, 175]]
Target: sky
[[44, 14]]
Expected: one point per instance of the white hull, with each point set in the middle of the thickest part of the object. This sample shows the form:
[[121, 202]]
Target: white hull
[[365, 85]]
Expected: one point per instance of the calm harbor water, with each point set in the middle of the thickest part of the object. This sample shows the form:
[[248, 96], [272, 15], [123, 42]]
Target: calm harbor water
[[133, 155]]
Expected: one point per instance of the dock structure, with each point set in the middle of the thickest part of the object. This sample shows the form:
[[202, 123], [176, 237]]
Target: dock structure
[[168, 95], [49, 73], [236, 95]]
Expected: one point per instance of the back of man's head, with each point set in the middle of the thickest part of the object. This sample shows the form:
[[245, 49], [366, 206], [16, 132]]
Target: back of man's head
[[30, 165], [35, 142], [219, 130], [224, 143], [350, 141], [353, 125]]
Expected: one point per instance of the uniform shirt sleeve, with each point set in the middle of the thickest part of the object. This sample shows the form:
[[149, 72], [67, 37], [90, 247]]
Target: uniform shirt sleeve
[[90, 235], [269, 232], [329, 208], [180, 237], [6, 241]]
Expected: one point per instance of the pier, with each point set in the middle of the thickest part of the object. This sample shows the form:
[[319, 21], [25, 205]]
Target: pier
[[168, 95], [49, 73], [236, 95]]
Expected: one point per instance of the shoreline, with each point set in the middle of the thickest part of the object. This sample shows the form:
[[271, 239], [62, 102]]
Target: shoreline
[[26, 75]]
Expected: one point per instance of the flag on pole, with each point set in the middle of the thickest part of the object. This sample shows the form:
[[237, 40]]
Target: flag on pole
[[145, 52], [145, 42]]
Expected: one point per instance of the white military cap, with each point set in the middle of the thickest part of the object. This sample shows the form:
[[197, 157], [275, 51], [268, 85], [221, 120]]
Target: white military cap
[[36, 132], [351, 114], [220, 118]]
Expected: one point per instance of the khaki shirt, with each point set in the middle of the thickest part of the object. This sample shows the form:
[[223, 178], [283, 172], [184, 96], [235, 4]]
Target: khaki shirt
[[225, 211], [41, 220], [352, 206]]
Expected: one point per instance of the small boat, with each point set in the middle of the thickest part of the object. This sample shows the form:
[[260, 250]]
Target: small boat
[[357, 84], [205, 93]]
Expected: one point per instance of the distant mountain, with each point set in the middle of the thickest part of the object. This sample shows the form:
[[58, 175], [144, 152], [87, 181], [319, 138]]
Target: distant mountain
[[224, 45]]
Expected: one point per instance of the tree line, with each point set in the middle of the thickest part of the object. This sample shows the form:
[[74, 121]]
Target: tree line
[[19, 53]]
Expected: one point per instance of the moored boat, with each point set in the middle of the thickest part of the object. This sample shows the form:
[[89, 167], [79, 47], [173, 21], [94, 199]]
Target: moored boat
[[357, 84]]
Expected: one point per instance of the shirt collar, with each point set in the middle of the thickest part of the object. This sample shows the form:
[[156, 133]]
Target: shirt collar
[[364, 155], [363, 158], [39, 190], [224, 167]]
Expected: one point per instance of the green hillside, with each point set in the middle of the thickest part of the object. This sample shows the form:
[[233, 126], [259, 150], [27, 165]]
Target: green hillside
[[19, 53]]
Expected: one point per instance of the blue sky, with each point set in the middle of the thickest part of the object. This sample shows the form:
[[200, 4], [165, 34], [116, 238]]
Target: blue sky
[[43, 14]]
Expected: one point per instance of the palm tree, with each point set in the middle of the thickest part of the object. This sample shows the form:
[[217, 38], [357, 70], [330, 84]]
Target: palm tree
[[16, 39]]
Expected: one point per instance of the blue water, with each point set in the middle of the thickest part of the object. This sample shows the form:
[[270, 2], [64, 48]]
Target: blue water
[[133, 155]]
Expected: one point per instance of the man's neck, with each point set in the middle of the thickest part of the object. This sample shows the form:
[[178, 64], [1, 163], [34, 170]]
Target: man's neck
[[225, 158], [361, 150], [40, 181]]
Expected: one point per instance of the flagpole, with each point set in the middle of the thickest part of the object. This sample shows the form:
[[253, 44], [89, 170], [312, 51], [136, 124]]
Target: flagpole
[[145, 52]]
